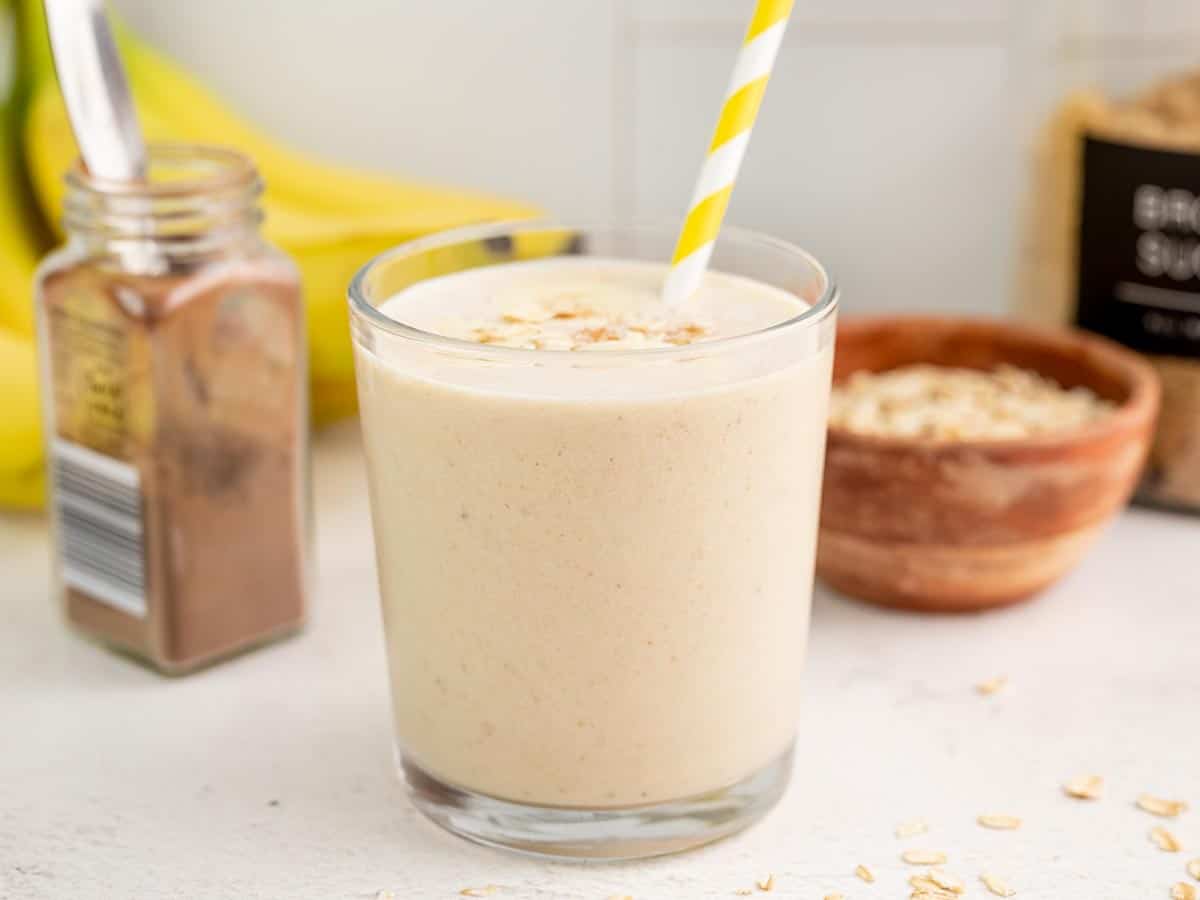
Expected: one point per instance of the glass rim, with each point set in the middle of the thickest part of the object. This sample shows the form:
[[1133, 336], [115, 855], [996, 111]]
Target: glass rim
[[219, 168], [811, 316]]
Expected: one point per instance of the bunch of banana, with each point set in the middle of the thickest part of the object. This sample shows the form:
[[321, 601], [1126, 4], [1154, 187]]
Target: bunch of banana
[[330, 219]]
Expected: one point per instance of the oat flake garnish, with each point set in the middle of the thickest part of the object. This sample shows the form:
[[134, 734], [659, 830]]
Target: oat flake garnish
[[528, 312], [834, 897], [484, 891], [992, 685], [743, 892], [1085, 787], [767, 884], [1194, 869], [1000, 823], [910, 829], [865, 874], [923, 857], [1165, 840], [1160, 807], [1183, 891], [996, 886]]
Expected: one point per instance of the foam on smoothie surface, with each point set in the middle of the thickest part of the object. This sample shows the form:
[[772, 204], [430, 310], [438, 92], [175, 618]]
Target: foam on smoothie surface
[[586, 304]]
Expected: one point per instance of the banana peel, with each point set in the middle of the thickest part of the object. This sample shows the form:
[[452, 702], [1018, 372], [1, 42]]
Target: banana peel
[[329, 218]]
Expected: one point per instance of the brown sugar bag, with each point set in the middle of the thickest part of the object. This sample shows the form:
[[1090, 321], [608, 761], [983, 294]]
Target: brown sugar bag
[[1112, 244]]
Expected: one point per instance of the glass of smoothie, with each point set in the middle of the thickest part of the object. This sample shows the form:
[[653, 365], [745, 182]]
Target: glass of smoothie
[[595, 521]]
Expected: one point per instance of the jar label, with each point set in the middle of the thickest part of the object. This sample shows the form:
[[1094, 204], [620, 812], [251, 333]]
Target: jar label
[[1139, 247], [90, 353], [98, 505]]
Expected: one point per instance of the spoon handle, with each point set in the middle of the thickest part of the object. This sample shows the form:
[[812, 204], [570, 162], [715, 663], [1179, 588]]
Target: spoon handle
[[95, 89]]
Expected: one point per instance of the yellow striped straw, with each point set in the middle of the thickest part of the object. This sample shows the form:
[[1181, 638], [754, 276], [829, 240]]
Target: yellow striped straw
[[742, 100]]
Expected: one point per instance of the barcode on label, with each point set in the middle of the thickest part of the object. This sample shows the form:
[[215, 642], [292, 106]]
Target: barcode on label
[[98, 502]]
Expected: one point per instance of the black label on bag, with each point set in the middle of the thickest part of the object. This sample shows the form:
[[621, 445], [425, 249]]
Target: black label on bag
[[1139, 247]]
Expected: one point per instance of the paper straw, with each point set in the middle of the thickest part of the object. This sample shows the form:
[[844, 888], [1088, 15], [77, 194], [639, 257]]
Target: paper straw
[[742, 100]]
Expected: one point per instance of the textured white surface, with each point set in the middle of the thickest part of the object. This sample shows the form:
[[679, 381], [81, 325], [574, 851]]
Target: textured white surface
[[271, 776]]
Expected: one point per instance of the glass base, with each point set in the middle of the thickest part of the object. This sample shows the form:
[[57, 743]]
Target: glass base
[[632, 832]]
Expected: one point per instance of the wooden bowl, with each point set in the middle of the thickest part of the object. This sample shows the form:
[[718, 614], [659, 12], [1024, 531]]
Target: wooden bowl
[[966, 525]]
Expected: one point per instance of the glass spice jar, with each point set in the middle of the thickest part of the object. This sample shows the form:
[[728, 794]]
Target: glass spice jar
[[173, 354]]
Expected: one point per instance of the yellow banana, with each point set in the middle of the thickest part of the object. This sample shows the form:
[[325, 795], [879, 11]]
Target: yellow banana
[[22, 479], [19, 248], [22, 476], [329, 218], [22, 238]]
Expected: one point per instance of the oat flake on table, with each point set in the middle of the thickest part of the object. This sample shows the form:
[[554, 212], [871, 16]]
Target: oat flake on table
[[992, 685], [996, 885], [1161, 807], [1165, 840], [923, 857], [925, 888], [999, 823], [911, 829], [1085, 787]]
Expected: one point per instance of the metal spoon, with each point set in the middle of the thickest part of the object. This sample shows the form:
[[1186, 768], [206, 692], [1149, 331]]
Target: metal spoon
[[95, 89]]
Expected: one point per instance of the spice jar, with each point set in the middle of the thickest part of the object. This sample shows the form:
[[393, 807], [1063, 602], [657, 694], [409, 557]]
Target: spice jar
[[1112, 230], [173, 346]]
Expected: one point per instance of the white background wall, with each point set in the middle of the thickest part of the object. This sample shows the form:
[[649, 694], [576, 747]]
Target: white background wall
[[889, 143]]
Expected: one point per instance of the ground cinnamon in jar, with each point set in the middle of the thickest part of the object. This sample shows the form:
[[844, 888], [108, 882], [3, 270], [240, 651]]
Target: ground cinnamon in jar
[[173, 338]]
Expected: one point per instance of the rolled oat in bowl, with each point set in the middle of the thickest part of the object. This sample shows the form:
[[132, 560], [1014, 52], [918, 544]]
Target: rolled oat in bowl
[[944, 403]]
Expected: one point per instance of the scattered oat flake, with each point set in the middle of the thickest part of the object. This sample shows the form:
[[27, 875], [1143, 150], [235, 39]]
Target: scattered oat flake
[[385, 895], [1160, 807], [1085, 787], [1000, 823], [926, 888], [1183, 891], [923, 857], [744, 892], [621, 897], [996, 885], [1194, 869], [834, 897], [1165, 840], [946, 881], [910, 829], [767, 884], [865, 874], [479, 891], [992, 685]]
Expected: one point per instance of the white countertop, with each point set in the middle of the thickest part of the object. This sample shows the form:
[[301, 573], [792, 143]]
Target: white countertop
[[271, 776]]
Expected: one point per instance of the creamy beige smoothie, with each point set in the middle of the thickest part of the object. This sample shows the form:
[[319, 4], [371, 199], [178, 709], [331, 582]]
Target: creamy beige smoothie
[[595, 527]]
